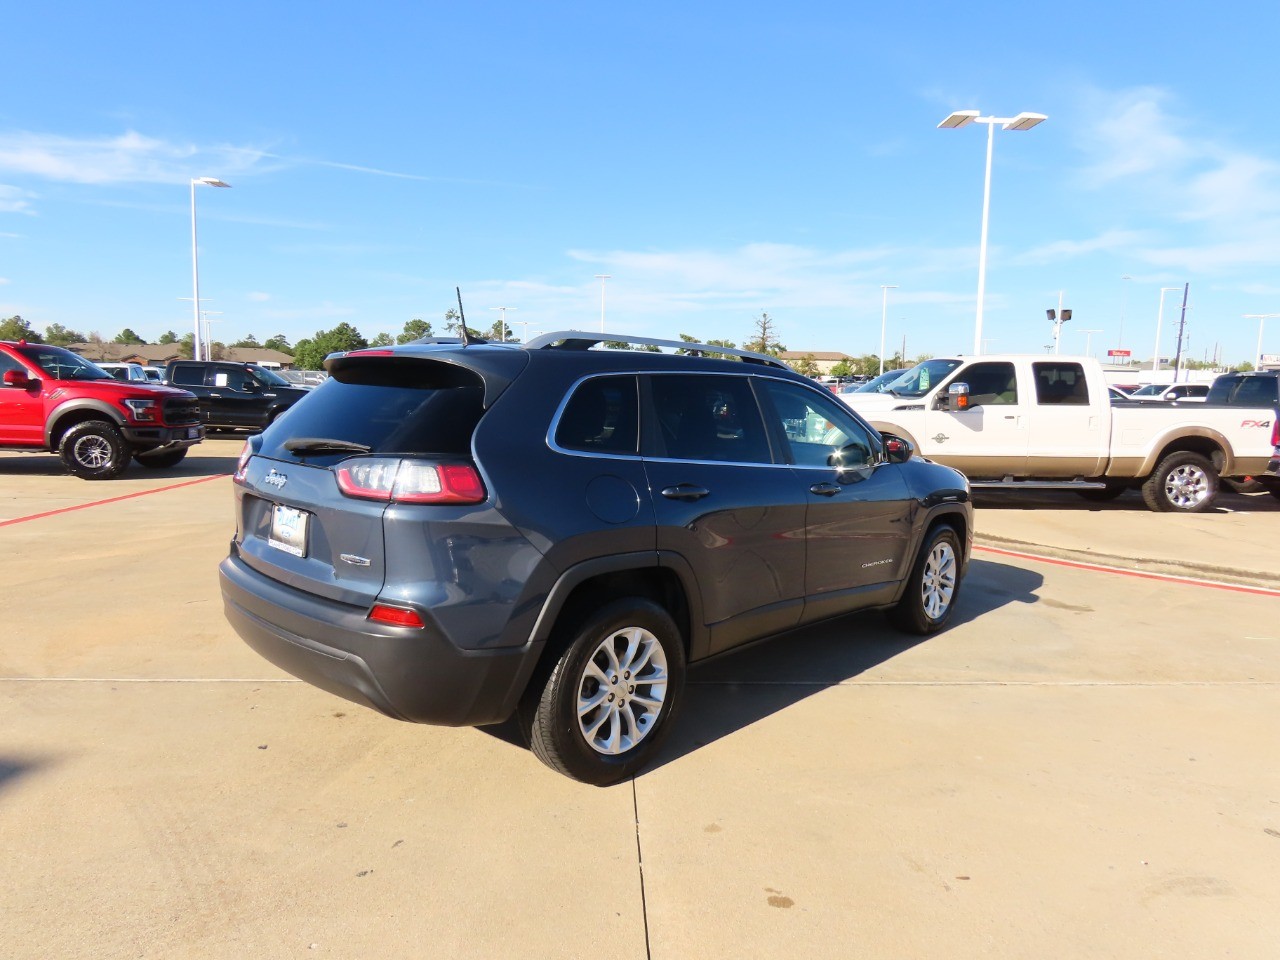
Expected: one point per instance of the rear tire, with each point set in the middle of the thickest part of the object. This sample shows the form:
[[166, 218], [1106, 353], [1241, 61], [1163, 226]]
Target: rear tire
[[1242, 484], [94, 450], [159, 461], [933, 586], [1184, 482], [613, 694]]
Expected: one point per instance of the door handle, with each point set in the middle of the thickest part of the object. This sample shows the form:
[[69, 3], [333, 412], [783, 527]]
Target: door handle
[[215, 396], [685, 491], [825, 489]]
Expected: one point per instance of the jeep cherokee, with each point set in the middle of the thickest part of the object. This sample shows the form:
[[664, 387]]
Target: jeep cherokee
[[459, 532]]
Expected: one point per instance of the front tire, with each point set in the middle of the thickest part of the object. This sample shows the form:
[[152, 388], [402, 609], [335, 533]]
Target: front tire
[[1184, 482], [162, 460], [613, 694], [94, 450], [933, 585]]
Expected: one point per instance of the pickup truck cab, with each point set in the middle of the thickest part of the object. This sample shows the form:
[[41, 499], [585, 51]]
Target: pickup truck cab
[[235, 396], [1013, 421]]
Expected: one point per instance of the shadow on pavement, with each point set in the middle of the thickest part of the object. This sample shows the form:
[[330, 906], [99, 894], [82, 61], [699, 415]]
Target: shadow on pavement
[[1228, 501], [12, 768], [734, 690]]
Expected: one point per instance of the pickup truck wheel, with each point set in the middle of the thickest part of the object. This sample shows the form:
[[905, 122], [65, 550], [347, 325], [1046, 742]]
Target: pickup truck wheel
[[932, 586], [1184, 482], [158, 461], [94, 450], [612, 695]]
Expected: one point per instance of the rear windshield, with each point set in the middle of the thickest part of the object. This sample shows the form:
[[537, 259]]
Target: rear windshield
[[1245, 391], [403, 408]]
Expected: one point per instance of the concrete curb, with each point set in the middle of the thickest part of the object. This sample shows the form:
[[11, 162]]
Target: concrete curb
[[1201, 571]]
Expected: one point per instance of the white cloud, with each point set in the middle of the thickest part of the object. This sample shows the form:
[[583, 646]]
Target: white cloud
[[14, 200], [258, 297], [1060, 250], [128, 158]]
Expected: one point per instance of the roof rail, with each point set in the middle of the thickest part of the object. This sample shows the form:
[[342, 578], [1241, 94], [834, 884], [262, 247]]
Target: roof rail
[[457, 340], [579, 340]]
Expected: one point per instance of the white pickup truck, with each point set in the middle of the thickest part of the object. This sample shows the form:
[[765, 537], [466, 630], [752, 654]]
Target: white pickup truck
[[1016, 422]]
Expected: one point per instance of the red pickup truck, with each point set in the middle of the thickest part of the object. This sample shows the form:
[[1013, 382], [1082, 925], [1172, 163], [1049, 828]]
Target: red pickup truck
[[56, 401]]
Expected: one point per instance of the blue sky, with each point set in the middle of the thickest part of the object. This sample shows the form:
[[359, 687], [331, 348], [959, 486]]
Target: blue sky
[[716, 160]]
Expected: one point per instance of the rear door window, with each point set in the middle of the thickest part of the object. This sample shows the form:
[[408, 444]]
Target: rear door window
[[1060, 383], [707, 417]]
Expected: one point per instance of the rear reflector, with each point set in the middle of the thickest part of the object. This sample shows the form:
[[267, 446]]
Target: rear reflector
[[396, 616], [410, 481], [243, 463]]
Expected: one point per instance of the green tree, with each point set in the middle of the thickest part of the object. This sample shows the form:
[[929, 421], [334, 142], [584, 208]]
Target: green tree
[[382, 340], [60, 336], [168, 337], [453, 323], [766, 337], [279, 342], [310, 354], [806, 366], [415, 329], [127, 336], [250, 341], [842, 369], [15, 328], [186, 348]]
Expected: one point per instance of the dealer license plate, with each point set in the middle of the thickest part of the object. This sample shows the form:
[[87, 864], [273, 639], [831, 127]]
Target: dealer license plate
[[288, 530]]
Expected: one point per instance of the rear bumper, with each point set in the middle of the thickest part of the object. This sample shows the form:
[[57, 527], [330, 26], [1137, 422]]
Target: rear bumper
[[409, 674]]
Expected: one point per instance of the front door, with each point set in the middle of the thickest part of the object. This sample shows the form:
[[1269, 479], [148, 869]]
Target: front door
[[989, 438], [860, 510], [21, 408]]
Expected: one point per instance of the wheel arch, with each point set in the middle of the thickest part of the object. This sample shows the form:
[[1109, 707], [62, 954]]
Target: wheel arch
[[1202, 440], [72, 412]]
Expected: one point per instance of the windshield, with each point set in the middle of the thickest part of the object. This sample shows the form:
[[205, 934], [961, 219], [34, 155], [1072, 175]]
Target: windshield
[[268, 378], [919, 380], [60, 364], [881, 383]]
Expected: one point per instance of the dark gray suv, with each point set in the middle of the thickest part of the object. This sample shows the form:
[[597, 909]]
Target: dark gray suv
[[462, 533]]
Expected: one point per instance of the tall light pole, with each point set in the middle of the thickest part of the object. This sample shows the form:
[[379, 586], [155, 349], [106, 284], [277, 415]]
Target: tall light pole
[[195, 261], [1088, 340], [962, 118], [1261, 318], [884, 311], [602, 277], [502, 320], [1155, 360], [1124, 303], [524, 333]]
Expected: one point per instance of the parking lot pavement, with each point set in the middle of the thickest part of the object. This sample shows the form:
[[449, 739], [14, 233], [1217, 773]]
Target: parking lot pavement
[[1082, 766]]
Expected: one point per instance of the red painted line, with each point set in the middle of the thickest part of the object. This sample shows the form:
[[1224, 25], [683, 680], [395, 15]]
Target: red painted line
[[99, 503], [1162, 577]]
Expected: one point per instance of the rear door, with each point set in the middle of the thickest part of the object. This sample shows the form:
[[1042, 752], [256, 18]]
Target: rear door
[[724, 503], [1070, 429]]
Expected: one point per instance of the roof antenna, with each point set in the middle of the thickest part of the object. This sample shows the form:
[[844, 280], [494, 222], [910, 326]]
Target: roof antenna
[[462, 318]]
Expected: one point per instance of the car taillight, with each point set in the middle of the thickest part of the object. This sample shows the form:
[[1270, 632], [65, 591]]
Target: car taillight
[[1275, 432], [396, 616], [243, 463], [410, 481]]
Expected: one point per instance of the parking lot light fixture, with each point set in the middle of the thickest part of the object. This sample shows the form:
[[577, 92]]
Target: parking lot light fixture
[[884, 309], [602, 277], [962, 118], [195, 260]]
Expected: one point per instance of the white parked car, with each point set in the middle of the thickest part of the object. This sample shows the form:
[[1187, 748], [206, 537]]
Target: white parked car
[[1167, 392], [126, 371]]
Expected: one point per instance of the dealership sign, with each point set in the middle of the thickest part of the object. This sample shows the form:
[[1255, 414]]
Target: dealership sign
[[1118, 353]]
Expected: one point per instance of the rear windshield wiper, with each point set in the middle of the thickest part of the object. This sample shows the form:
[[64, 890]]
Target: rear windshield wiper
[[324, 445]]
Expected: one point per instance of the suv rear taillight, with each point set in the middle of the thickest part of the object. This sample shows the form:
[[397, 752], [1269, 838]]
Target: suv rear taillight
[[410, 481], [242, 464]]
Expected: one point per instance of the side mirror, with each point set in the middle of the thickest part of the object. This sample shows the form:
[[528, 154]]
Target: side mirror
[[16, 378], [896, 449], [956, 397]]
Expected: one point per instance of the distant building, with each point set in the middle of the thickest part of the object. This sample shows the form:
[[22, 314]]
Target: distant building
[[159, 354], [824, 360]]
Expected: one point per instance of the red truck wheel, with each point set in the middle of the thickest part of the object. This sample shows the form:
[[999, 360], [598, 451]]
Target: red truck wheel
[[94, 450]]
